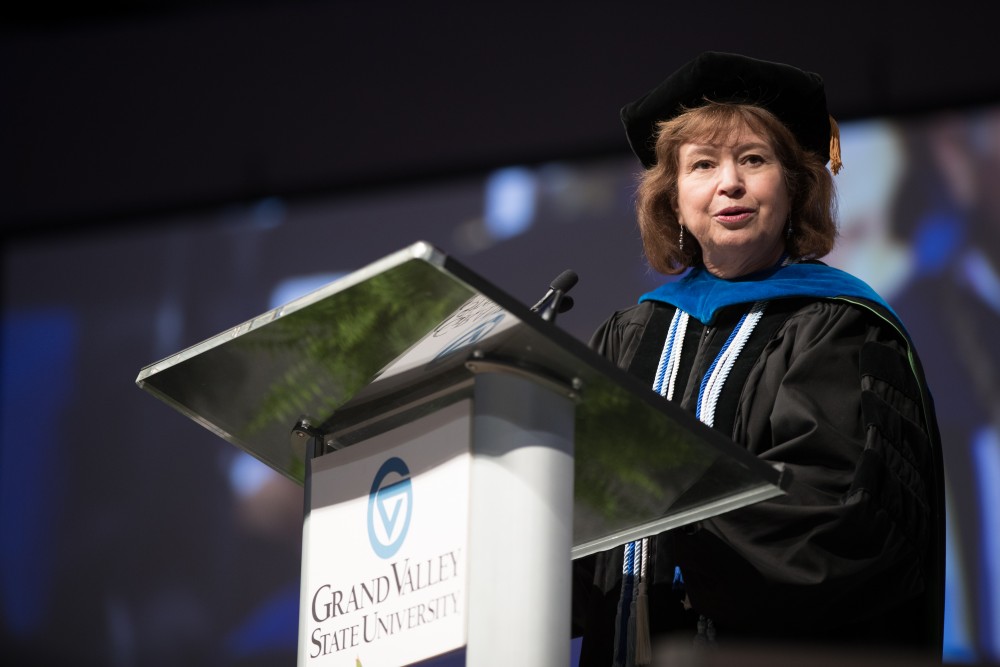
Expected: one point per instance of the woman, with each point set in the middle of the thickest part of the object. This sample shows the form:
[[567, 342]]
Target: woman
[[798, 362]]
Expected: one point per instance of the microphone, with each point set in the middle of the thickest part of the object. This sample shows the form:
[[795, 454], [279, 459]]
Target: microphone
[[555, 300]]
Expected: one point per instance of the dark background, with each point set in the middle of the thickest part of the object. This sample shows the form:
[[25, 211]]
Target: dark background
[[169, 169], [115, 109]]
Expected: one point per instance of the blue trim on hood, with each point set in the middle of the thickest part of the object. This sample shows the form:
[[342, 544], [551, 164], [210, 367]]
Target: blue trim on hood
[[702, 295]]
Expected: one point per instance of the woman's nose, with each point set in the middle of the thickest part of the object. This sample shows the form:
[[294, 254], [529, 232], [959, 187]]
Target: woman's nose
[[730, 179]]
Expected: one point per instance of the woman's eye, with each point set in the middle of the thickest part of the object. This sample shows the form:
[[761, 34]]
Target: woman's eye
[[701, 164], [753, 159]]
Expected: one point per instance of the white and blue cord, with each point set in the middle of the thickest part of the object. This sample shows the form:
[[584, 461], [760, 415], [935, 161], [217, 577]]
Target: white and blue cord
[[634, 568]]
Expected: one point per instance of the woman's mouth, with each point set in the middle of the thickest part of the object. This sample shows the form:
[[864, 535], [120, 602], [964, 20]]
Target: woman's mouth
[[734, 214]]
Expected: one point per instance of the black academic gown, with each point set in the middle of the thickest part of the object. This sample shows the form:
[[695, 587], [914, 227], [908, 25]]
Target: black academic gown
[[853, 554]]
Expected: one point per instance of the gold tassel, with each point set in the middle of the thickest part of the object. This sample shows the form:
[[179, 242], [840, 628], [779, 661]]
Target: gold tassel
[[835, 163]]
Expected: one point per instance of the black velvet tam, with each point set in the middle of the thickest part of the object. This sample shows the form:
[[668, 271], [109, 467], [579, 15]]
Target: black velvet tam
[[796, 97]]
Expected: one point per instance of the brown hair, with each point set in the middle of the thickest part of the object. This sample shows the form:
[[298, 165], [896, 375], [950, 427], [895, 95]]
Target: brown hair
[[809, 184]]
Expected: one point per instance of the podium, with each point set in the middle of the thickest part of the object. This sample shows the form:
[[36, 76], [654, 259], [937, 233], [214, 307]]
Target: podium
[[457, 450]]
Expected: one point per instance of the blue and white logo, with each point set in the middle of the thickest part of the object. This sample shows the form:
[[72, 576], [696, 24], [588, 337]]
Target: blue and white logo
[[390, 505], [470, 337]]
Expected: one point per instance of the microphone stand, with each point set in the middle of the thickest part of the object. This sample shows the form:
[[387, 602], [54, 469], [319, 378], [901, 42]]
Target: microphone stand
[[555, 300]]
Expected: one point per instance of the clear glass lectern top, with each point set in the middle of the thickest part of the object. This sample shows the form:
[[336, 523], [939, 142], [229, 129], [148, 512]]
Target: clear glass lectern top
[[411, 328]]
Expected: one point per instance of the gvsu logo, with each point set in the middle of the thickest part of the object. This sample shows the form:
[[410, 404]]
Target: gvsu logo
[[390, 505], [470, 337]]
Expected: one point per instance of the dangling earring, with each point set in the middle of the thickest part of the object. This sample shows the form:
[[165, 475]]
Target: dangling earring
[[788, 233], [680, 239]]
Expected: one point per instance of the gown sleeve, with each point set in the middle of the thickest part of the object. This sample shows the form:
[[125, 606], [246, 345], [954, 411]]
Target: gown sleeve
[[619, 337], [834, 399]]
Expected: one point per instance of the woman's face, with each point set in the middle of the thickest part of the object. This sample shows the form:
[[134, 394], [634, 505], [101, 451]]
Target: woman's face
[[732, 197]]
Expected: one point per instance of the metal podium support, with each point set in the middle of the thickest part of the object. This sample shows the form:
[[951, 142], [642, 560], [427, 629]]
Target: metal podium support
[[520, 539]]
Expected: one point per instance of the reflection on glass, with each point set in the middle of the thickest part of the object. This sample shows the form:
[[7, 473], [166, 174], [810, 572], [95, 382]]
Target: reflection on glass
[[401, 333]]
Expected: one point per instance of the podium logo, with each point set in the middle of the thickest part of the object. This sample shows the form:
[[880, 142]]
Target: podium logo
[[390, 505], [470, 337]]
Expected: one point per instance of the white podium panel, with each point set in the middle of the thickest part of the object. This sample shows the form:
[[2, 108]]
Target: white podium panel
[[385, 545]]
